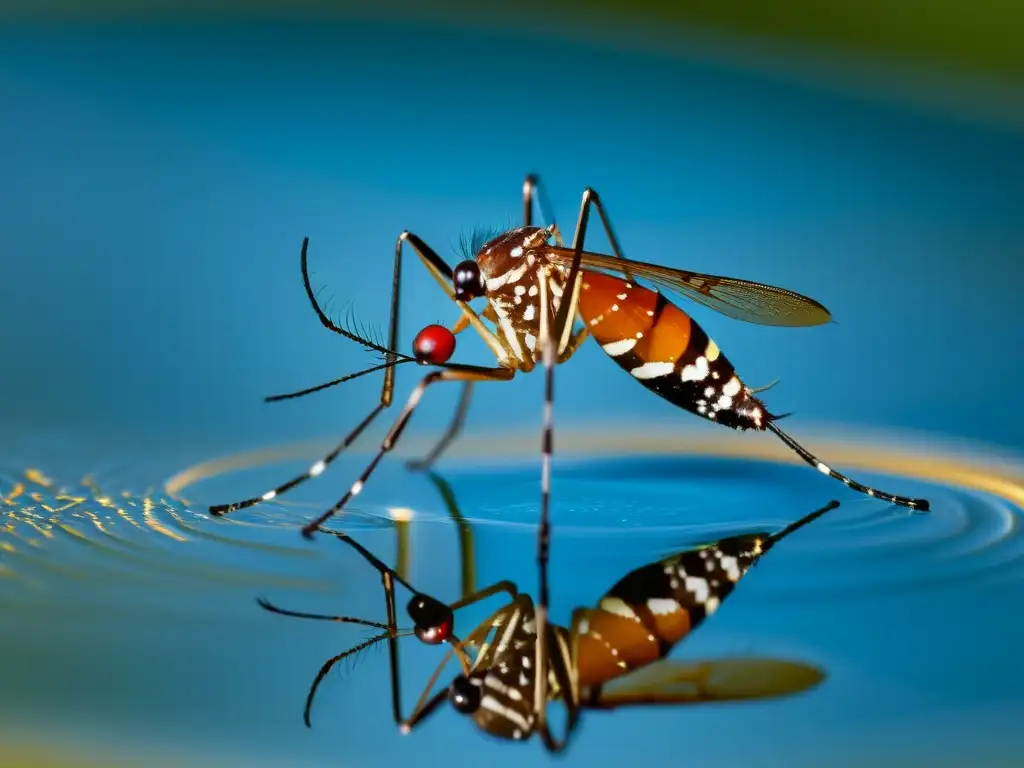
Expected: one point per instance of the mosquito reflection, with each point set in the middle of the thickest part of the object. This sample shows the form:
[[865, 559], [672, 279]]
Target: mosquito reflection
[[514, 664]]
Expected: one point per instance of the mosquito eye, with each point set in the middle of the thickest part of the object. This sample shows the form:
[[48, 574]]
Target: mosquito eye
[[464, 694], [433, 620], [434, 345], [468, 281]]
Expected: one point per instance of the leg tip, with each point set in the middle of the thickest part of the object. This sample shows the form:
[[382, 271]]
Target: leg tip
[[922, 505]]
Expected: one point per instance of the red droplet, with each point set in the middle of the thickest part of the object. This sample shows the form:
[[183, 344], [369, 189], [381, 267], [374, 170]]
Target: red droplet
[[436, 634], [434, 345]]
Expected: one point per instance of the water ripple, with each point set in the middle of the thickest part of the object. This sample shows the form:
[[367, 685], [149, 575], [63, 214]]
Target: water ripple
[[676, 495]]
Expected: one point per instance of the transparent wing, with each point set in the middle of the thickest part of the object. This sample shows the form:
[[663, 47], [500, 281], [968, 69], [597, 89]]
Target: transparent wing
[[727, 679], [740, 299]]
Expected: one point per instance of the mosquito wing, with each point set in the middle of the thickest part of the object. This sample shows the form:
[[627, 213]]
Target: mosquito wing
[[740, 299], [726, 679]]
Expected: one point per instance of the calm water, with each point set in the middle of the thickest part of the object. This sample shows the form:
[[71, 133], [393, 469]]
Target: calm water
[[131, 632], [158, 181]]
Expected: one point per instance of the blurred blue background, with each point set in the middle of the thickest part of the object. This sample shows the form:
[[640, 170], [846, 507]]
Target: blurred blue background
[[158, 179]]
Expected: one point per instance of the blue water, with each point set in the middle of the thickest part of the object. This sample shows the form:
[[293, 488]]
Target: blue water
[[132, 630], [157, 184]]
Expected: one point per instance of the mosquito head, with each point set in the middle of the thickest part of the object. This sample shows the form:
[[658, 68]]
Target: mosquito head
[[468, 280], [464, 693], [434, 345], [433, 620]]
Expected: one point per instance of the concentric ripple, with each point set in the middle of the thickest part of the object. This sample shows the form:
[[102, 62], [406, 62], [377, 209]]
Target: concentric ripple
[[678, 493], [610, 500]]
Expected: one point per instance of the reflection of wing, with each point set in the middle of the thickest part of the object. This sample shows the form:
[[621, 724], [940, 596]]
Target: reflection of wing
[[675, 682], [740, 299]]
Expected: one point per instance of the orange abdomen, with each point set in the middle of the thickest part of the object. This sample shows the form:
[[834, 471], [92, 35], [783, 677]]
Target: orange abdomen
[[666, 351]]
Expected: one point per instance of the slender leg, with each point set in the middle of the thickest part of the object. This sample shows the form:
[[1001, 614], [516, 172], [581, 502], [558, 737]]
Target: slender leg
[[920, 505], [454, 428], [551, 335], [451, 373], [467, 553], [442, 273], [391, 633], [533, 190]]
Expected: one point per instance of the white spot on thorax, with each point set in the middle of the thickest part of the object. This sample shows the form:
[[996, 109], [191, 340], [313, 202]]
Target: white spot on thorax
[[732, 387]]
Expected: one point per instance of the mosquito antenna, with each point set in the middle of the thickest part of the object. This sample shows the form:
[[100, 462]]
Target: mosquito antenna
[[267, 605], [342, 380], [329, 664], [324, 319]]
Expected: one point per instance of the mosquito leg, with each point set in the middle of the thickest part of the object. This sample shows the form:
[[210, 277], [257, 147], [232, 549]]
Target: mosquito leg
[[454, 428], [314, 471], [533, 189], [451, 373], [387, 388], [921, 505], [442, 273]]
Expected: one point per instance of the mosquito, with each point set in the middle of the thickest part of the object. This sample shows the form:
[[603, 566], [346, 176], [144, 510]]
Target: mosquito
[[536, 287], [612, 654]]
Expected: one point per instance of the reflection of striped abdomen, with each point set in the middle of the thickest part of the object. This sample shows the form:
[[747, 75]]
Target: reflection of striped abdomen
[[666, 351], [652, 608]]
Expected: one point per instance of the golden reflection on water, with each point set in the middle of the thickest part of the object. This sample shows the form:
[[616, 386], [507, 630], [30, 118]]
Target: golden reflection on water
[[968, 468], [36, 507]]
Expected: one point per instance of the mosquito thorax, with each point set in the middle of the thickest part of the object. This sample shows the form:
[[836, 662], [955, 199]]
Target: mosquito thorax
[[433, 621], [464, 693], [509, 252]]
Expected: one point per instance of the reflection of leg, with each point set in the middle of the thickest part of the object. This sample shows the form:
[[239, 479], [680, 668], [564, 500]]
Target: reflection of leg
[[467, 553], [454, 428]]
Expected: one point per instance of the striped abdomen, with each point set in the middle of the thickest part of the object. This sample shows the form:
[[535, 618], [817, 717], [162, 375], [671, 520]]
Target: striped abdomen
[[653, 607], [666, 351]]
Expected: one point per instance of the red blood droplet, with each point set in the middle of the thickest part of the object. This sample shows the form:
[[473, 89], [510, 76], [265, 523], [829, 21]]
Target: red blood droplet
[[436, 634], [434, 345]]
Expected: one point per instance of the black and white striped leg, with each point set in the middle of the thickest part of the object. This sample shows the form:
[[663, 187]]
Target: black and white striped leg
[[450, 434], [552, 331], [450, 373], [314, 471], [387, 387], [920, 505]]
